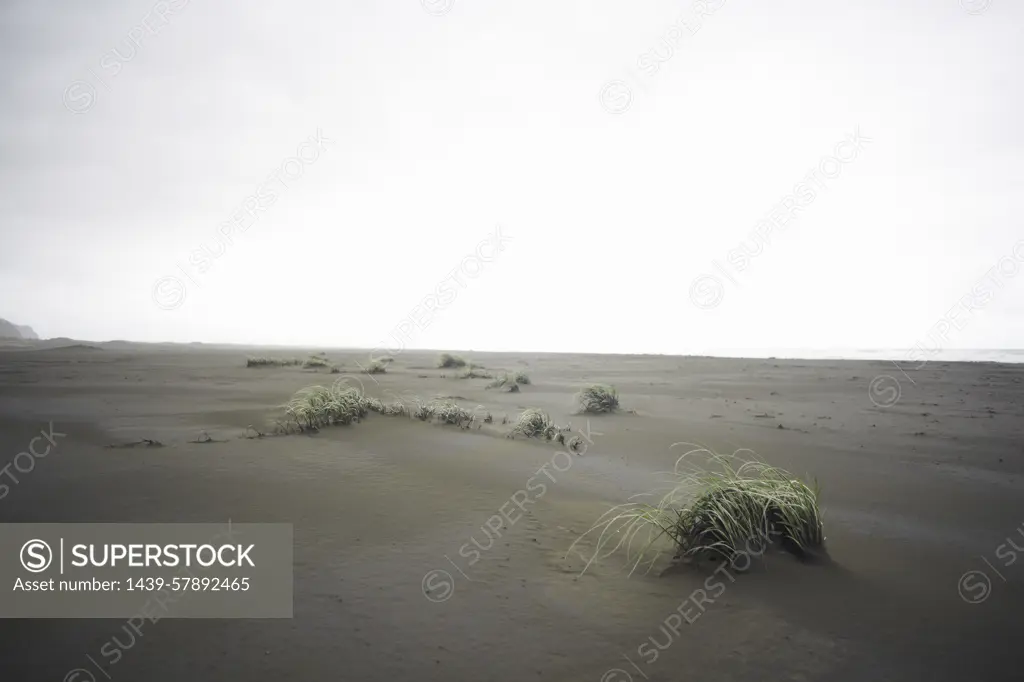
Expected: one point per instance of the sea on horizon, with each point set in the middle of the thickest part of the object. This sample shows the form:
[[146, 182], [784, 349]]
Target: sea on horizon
[[905, 356]]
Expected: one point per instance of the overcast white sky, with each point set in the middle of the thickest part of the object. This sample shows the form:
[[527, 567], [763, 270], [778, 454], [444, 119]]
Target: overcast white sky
[[446, 120]]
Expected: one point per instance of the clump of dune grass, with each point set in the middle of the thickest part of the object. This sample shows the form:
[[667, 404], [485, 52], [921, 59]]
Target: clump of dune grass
[[395, 408], [447, 360], [598, 398], [442, 410], [500, 381], [723, 507], [473, 372], [376, 367], [315, 407], [449, 412], [271, 362], [507, 382], [314, 361], [424, 412], [534, 423], [521, 377], [380, 407], [373, 404]]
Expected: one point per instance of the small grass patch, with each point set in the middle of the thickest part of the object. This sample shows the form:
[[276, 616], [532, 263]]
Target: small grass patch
[[475, 373], [534, 423], [598, 398], [316, 407], [376, 367], [272, 362], [448, 412], [444, 411], [508, 382], [314, 362], [500, 381], [447, 361], [390, 409]]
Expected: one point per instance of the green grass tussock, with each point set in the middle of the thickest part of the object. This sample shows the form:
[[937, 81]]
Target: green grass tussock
[[509, 382], [598, 398], [272, 362], [313, 408], [723, 507], [391, 409], [376, 367], [448, 412], [534, 423], [316, 407], [500, 381], [443, 411], [447, 360]]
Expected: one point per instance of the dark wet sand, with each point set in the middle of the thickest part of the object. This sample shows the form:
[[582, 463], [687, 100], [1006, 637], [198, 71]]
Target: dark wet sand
[[915, 495]]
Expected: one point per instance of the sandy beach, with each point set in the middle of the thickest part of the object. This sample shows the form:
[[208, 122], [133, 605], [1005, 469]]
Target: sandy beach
[[401, 573]]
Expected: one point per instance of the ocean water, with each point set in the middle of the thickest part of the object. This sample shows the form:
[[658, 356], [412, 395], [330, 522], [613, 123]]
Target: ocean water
[[899, 355]]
